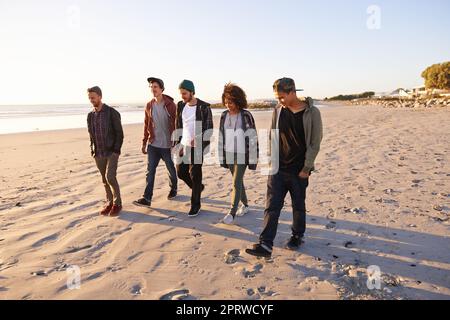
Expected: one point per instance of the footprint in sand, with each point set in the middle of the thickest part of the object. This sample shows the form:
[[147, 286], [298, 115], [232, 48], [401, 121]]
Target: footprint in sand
[[134, 256], [363, 232], [136, 290], [331, 226], [8, 263], [45, 240], [256, 269], [265, 292], [77, 249], [39, 273], [231, 257], [356, 210], [180, 294], [349, 244], [259, 292], [250, 292], [94, 276]]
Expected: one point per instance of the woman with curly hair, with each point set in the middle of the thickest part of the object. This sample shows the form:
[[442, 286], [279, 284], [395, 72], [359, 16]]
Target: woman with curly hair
[[238, 146]]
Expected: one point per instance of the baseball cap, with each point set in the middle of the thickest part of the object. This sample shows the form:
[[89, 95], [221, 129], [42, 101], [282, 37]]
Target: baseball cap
[[285, 85]]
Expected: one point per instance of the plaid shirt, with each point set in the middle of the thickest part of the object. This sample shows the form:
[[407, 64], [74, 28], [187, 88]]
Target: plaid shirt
[[99, 127]]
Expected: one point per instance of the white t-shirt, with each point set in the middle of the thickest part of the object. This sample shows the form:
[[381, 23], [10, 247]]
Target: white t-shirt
[[188, 117]]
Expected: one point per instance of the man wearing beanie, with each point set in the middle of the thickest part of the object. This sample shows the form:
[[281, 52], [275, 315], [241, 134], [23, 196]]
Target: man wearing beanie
[[194, 124]]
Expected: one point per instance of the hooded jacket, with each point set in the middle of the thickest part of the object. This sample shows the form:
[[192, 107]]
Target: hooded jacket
[[149, 125], [312, 123]]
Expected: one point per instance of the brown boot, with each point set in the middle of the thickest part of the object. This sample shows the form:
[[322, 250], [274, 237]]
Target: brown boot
[[115, 211], [106, 210]]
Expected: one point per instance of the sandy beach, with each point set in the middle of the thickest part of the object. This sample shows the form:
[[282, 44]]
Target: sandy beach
[[380, 197]]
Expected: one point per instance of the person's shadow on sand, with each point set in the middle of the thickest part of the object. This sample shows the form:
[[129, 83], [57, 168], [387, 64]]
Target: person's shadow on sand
[[402, 253]]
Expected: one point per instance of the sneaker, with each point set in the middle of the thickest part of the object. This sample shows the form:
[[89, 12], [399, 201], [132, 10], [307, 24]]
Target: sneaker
[[143, 203], [106, 210], [229, 219], [243, 210], [172, 194], [259, 251], [115, 211], [194, 212], [294, 243]]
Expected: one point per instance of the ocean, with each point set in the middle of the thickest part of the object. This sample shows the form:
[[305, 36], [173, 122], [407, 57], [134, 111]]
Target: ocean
[[35, 118]]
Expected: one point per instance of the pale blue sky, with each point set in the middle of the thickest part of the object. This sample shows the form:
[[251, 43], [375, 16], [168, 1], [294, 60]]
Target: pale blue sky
[[326, 46]]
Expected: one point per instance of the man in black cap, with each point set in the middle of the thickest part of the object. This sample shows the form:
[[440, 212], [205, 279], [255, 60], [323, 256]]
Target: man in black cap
[[194, 126], [297, 125], [159, 125]]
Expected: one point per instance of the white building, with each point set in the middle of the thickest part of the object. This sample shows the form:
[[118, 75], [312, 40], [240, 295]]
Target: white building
[[401, 93]]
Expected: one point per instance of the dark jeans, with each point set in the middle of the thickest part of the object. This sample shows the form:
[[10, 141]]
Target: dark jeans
[[192, 175], [154, 156], [277, 187]]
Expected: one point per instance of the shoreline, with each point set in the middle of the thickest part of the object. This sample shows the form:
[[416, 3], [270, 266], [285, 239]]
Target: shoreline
[[82, 127], [216, 112]]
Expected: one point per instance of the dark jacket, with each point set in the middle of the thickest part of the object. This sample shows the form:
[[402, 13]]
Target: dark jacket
[[149, 131], [114, 131], [312, 123], [251, 140], [203, 114]]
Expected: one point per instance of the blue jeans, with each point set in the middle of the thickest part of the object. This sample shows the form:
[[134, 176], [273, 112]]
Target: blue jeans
[[278, 186], [154, 156]]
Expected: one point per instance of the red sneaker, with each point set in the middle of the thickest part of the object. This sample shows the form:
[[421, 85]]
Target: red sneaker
[[106, 210], [115, 211]]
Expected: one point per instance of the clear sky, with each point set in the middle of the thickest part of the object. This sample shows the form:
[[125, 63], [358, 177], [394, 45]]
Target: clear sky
[[52, 50]]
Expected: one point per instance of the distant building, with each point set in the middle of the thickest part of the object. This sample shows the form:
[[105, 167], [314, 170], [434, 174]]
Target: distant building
[[422, 91], [401, 93], [415, 92], [419, 91]]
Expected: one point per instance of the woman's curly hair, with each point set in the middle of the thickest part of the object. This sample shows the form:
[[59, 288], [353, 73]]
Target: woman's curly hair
[[235, 94]]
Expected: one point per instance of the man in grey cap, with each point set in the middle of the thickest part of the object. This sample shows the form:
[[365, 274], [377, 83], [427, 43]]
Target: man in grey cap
[[297, 125]]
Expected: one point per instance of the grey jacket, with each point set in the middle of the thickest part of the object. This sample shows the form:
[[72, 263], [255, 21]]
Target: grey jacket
[[312, 123]]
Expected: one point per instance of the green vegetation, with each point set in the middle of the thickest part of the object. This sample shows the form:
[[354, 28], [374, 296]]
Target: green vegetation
[[341, 97], [437, 76]]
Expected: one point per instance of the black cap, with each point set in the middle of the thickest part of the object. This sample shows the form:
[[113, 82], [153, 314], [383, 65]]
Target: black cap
[[285, 85], [158, 81]]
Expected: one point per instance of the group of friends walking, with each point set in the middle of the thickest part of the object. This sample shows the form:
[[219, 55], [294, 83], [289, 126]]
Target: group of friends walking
[[179, 135]]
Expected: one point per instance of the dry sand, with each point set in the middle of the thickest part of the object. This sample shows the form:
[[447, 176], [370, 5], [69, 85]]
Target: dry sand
[[380, 196]]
